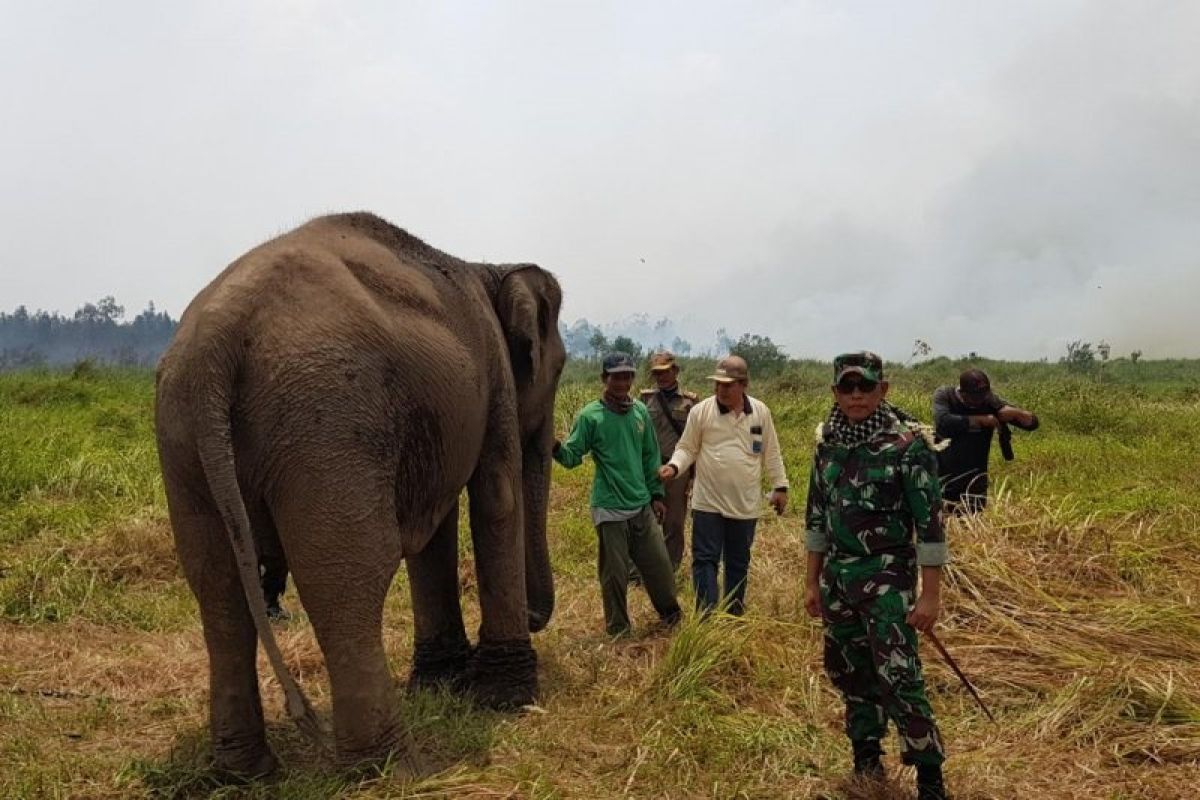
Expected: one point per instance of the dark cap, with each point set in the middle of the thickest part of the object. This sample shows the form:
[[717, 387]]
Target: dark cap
[[662, 360], [730, 369], [617, 361], [974, 382], [864, 363]]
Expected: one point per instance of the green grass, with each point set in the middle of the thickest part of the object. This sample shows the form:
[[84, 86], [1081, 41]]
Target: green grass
[[1072, 605]]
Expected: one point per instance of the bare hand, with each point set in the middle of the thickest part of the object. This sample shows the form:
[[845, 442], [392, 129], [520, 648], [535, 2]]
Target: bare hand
[[667, 472], [1016, 415], [1008, 414], [660, 510], [925, 614], [984, 420], [779, 501], [812, 600]]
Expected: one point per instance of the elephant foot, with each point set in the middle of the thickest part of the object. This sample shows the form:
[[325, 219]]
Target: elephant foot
[[440, 663], [503, 675], [245, 763], [391, 745]]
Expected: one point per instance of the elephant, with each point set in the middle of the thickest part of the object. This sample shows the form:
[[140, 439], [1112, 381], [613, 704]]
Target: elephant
[[331, 393]]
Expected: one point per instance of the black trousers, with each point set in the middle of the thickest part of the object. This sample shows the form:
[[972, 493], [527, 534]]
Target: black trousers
[[272, 570], [717, 539]]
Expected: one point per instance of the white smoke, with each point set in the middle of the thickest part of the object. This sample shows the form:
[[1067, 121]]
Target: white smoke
[[1076, 215], [993, 177]]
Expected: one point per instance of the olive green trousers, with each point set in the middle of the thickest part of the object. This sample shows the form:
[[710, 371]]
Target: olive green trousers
[[623, 545]]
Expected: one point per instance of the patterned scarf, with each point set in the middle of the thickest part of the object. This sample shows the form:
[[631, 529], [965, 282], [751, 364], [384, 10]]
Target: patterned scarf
[[849, 434], [617, 405]]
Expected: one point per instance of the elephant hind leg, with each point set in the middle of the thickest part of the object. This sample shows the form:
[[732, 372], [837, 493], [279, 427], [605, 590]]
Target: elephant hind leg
[[441, 652], [235, 706], [343, 548]]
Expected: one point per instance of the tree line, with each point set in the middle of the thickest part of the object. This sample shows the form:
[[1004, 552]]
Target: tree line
[[95, 332], [98, 332], [639, 337]]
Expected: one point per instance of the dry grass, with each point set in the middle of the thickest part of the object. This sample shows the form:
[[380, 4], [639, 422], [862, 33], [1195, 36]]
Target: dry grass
[[1095, 682]]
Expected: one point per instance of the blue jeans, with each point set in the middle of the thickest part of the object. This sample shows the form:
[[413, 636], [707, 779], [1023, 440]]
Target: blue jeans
[[716, 538]]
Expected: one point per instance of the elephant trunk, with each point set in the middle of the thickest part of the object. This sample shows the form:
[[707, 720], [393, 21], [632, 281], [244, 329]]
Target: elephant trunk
[[539, 580]]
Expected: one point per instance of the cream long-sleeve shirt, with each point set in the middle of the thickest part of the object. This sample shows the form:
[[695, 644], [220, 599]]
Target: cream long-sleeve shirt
[[730, 452]]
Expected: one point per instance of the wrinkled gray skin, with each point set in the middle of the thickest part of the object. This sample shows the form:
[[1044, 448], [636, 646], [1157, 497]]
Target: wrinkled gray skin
[[336, 388]]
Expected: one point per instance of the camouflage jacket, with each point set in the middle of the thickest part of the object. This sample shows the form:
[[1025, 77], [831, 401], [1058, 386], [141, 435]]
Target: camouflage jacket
[[680, 404], [869, 500]]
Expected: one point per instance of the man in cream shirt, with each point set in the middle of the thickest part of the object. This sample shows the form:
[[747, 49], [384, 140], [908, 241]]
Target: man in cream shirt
[[730, 438]]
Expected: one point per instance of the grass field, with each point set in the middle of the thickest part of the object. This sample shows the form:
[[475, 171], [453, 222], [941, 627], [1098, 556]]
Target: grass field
[[1072, 604]]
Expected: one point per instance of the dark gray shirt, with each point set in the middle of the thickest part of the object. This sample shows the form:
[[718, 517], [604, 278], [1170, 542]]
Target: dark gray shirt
[[964, 463]]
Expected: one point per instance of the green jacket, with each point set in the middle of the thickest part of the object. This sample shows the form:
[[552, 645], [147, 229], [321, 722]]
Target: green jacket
[[871, 499], [625, 451]]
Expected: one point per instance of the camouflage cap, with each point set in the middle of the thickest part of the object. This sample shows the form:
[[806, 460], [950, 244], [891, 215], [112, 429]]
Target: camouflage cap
[[730, 369], [864, 363], [617, 361], [662, 360]]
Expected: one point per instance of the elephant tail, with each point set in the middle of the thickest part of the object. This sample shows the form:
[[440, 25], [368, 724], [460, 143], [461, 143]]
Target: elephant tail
[[214, 402]]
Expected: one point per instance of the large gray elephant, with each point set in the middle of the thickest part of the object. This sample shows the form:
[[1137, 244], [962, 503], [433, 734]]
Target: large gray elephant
[[332, 392]]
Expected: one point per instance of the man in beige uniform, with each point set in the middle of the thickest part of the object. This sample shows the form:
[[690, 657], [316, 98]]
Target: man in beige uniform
[[669, 406], [731, 439]]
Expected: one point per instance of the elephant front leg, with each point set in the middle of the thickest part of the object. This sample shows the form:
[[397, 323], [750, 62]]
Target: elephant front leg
[[504, 668], [441, 652]]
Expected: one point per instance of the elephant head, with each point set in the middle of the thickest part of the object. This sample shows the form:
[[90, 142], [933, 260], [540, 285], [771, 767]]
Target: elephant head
[[527, 304]]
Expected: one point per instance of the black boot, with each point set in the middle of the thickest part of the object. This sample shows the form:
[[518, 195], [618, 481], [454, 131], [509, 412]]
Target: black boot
[[866, 760], [276, 612], [929, 783]]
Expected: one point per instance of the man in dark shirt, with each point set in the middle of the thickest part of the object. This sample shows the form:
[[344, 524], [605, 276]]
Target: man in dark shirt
[[968, 415]]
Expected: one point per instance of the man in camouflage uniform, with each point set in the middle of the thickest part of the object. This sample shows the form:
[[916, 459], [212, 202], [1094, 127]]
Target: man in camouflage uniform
[[873, 485], [669, 406]]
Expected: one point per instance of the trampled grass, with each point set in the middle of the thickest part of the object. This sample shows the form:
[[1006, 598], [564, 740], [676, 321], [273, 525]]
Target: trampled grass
[[1072, 605]]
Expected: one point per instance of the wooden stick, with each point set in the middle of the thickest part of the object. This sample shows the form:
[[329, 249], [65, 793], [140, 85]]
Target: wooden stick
[[953, 666]]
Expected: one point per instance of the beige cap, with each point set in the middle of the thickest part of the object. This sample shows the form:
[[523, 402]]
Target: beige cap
[[662, 360], [730, 369]]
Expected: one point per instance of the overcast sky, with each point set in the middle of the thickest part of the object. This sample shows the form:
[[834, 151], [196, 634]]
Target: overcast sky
[[999, 177]]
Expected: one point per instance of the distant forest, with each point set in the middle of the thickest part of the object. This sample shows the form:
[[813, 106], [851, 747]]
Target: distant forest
[[96, 332]]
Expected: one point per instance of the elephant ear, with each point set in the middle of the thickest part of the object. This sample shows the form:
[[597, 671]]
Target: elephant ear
[[523, 320]]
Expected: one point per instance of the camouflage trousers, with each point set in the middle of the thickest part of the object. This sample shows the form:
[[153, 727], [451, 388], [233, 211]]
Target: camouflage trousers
[[871, 653]]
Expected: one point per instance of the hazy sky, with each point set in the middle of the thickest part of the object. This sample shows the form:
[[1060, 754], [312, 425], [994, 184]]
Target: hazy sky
[[992, 176]]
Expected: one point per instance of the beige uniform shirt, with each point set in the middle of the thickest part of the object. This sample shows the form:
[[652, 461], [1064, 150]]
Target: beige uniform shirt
[[730, 452]]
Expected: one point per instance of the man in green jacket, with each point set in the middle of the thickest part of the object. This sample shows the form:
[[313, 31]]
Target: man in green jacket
[[627, 497]]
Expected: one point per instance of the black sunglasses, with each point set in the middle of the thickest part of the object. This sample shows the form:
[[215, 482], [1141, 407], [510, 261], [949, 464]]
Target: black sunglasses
[[850, 386]]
